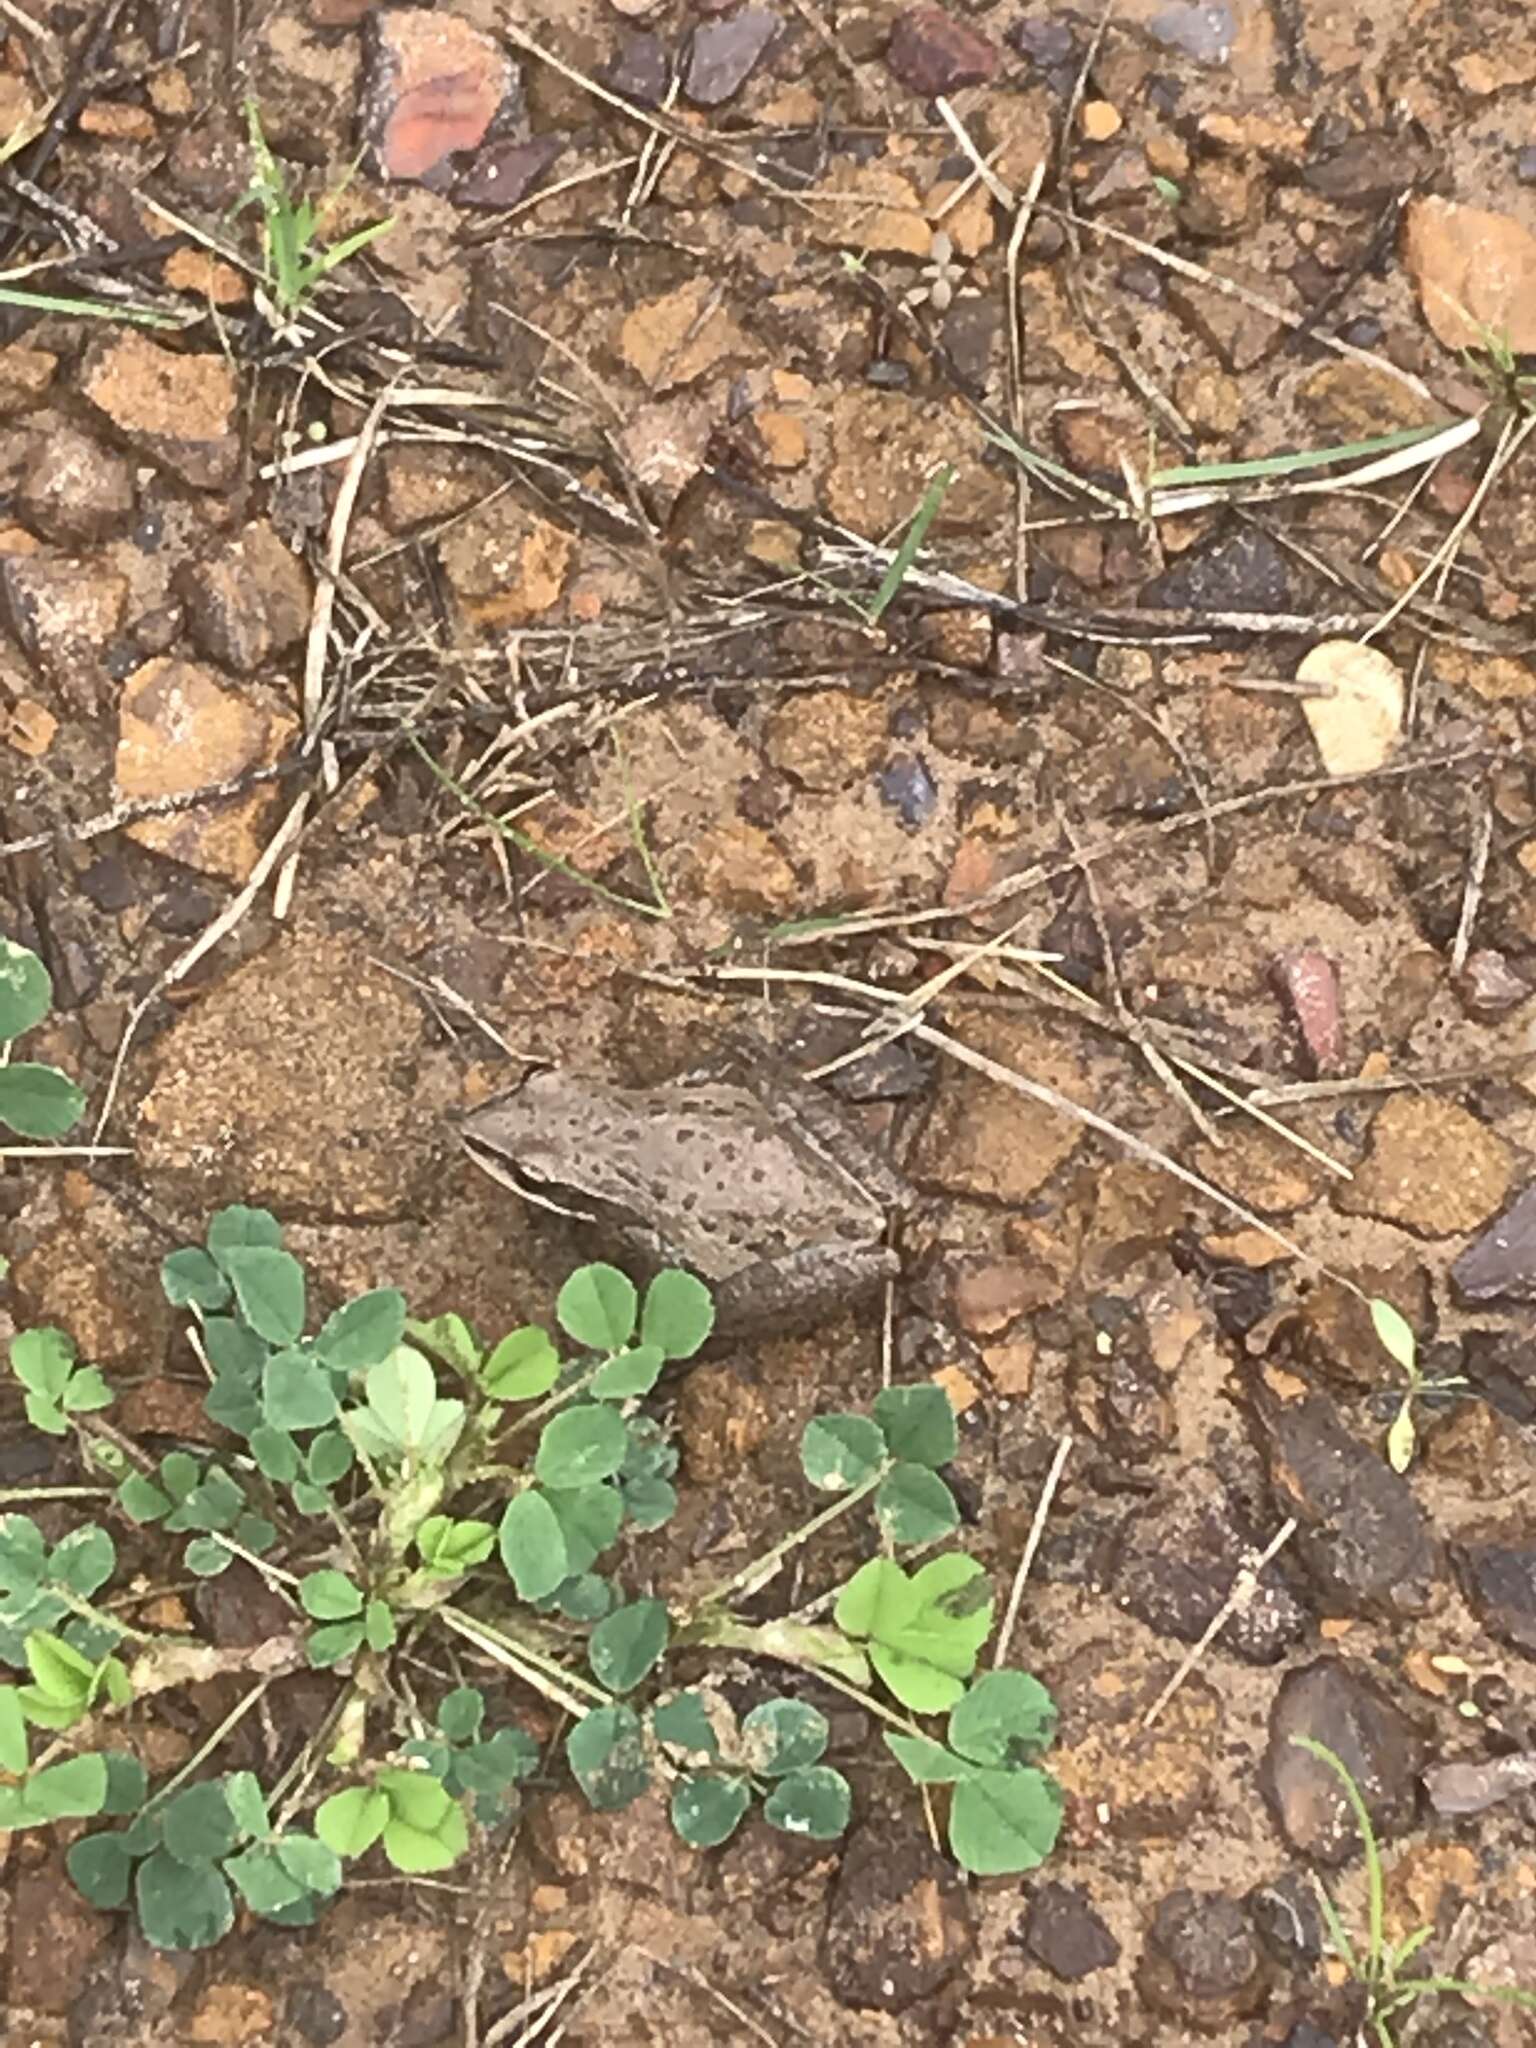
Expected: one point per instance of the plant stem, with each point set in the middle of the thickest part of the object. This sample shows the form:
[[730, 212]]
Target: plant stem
[[869, 1703], [77, 1604], [753, 1577], [230, 1722], [531, 1665], [11, 1496]]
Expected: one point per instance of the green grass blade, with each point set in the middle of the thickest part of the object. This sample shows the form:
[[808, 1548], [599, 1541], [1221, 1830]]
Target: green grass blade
[[1261, 466], [531, 846], [1338, 1934], [1462, 1987], [637, 831], [1375, 1885], [1055, 472], [1397, 1957], [88, 309], [349, 245], [912, 540]]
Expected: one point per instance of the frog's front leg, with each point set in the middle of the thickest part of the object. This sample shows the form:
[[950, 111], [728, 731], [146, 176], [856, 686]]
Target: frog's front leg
[[796, 1290]]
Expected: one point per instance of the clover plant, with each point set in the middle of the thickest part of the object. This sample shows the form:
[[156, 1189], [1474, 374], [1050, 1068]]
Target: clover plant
[[421, 1498]]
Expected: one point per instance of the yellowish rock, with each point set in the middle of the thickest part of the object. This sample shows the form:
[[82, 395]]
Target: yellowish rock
[[1359, 723]]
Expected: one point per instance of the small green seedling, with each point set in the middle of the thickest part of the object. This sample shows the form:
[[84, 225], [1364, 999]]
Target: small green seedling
[[1496, 366], [36, 1100], [57, 1387], [1378, 1969], [1398, 1341], [415, 1495], [293, 261]]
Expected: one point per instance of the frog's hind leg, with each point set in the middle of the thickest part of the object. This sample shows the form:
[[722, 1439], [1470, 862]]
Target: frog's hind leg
[[795, 1291]]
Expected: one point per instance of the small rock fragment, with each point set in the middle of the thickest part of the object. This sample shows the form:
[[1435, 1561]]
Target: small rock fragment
[[1431, 1167], [907, 785], [1358, 723], [899, 1924], [641, 68], [27, 726], [1350, 400], [1201, 1960], [432, 87], [316, 2015], [1100, 121], [934, 54], [66, 615], [1363, 1538], [826, 739], [1489, 988], [505, 564], [25, 375], [983, 1138], [1500, 1583], [738, 867], [247, 603], [425, 484], [1179, 1559], [1336, 1703], [724, 54], [504, 173], [1474, 271], [1202, 29], [1285, 1913], [673, 340], [178, 408], [179, 729], [1065, 1935], [1151, 1783], [1367, 168], [73, 491], [1501, 1264], [783, 435], [1310, 982], [1460, 1788], [1243, 572]]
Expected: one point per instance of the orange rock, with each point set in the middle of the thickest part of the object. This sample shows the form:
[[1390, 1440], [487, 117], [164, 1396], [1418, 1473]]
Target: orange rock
[[674, 339], [117, 121], [783, 438], [201, 272], [1100, 121], [179, 729], [1475, 273]]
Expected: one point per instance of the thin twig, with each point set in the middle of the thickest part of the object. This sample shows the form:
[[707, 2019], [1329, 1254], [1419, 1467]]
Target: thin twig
[[1472, 891], [1244, 1587], [1031, 1545]]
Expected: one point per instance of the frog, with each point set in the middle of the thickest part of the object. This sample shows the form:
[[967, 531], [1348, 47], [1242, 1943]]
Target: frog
[[769, 1193]]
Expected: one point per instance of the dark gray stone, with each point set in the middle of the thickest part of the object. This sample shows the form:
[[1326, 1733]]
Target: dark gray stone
[[1500, 1265], [1363, 1540], [1500, 1583], [1065, 1935], [724, 54], [899, 1924], [1178, 1560], [1339, 1705], [1201, 1960]]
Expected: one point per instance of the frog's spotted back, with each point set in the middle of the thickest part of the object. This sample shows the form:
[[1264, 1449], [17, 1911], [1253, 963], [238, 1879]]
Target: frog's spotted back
[[703, 1171]]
